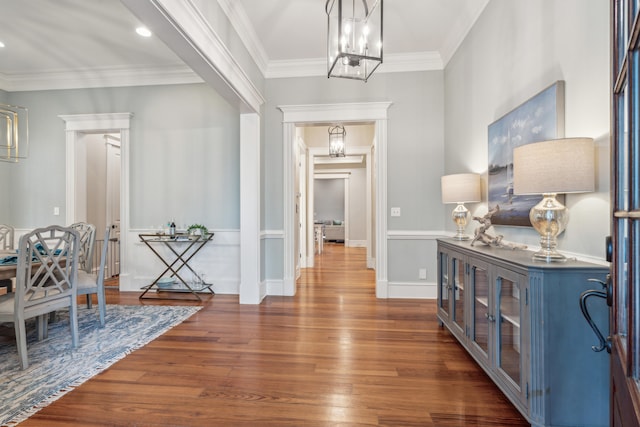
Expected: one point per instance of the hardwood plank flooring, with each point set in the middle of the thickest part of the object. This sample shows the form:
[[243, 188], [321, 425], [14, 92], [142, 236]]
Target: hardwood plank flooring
[[333, 355]]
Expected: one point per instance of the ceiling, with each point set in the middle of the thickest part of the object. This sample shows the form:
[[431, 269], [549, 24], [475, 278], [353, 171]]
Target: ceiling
[[52, 44]]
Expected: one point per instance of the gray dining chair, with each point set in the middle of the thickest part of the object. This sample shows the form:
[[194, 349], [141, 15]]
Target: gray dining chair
[[7, 234], [6, 237], [87, 241], [46, 281], [92, 283]]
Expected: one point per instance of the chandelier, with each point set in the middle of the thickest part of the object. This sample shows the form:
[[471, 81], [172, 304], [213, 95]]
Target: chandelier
[[354, 38], [14, 133], [336, 141]]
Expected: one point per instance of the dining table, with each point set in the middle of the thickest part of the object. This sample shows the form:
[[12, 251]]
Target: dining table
[[7, 271]]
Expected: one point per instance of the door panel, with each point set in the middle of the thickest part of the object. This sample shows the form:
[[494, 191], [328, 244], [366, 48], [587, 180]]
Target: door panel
[[482, 317], [625, 200], [443, 282]]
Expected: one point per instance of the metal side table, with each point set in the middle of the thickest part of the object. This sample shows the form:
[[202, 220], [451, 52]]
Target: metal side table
[[182, 248]]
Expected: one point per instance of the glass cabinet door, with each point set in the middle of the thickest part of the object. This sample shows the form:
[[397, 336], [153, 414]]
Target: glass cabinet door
[[479, 280], [443, 283], [509, 316], [625, 218], [458, 292]]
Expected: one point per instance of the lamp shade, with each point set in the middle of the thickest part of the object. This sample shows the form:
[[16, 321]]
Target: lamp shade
[[460, 188], [556, 166]]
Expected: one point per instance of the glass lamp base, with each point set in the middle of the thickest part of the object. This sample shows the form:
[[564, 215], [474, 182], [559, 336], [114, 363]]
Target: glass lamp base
[[549, 256], [460, 217], [549, 218]]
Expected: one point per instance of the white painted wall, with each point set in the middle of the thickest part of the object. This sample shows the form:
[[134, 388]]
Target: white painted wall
[[96, 183], [515, 50]]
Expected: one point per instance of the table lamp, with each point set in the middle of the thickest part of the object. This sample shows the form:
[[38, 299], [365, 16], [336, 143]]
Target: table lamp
[[460, 188], [548, 168]]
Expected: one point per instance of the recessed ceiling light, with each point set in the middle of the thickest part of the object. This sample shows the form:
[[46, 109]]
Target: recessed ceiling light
[[1, 44], [143, 31]]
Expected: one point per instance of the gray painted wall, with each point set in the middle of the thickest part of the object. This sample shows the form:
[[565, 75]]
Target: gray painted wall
[[184, 155], [358, 204], [185, 141], [415, 141], [515, 50], [328, 199]]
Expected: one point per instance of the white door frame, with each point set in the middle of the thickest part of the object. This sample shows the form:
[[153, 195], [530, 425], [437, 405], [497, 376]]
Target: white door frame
[[331, 113], [75, 126], [312, 174]]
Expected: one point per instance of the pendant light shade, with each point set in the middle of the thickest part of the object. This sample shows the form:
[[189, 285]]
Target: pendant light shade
[[337, 136], [354, 38]]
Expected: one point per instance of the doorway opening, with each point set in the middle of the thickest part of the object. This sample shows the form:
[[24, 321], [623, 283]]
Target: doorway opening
[[97, 194], [110, 135], [335, 194], [367, 112]]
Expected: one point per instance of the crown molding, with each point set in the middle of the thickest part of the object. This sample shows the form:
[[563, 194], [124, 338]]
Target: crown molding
[[185, 29], [458, 34], [99, 77], [411, 61], [393, 63], [240, 22]]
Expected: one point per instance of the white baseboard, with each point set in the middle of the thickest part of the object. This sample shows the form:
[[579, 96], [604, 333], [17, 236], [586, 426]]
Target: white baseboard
[[274, 287], [416, 290], [356, 243]]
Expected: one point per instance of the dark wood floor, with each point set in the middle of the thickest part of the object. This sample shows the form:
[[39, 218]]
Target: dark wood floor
[[333, 355]]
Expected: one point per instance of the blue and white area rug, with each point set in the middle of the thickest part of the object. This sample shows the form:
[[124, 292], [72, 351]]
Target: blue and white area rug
[[55, 367]]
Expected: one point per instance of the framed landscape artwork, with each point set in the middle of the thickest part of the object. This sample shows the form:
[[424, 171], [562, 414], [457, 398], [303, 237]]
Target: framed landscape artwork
[[538, 119]]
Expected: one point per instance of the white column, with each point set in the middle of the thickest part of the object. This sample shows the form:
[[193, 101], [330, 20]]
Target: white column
[[251, 291]]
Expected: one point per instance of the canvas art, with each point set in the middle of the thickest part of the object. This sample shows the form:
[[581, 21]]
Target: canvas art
[[538, 119]]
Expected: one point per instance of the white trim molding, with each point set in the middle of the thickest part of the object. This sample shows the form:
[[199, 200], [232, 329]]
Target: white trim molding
[[330, 113], [393, 63], [184, 28], [241, 23], [272, 234], [75, 125], [416, 234], [413, 290], [251, 289], [99, 77]]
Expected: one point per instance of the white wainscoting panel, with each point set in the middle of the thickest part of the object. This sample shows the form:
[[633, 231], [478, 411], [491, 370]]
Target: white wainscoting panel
[[219, 260], [415, 290]]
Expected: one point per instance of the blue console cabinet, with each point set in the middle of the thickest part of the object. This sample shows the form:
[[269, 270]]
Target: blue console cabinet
[[521, 321]]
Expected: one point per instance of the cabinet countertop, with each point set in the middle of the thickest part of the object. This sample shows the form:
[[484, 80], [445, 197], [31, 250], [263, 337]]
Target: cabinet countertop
[[519, 257]]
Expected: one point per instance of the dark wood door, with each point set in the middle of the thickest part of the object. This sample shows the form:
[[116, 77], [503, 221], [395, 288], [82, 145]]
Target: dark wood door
[[625, 202]]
